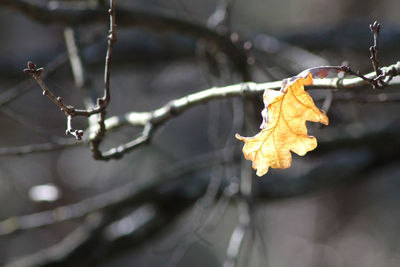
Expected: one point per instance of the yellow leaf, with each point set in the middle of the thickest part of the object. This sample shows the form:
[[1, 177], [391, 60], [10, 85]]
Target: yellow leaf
[[284, 126]]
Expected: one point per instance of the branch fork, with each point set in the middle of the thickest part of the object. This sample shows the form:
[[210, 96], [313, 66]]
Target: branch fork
[[102, 102]]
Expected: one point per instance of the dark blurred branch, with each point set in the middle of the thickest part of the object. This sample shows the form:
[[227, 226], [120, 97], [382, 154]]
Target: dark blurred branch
[[127, 195], [368, 98], [39, 148], [288, 57], [162, 197], [206, 213], [220, 19], [238, 234], [164, 200], [348, 35], [355, 157], [161, 22], [245, 212], [60, 253], [78, 66]]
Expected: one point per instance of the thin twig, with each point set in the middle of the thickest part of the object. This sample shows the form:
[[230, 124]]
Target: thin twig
[[39, 148], [14, 92], [380, 78], [98, 135], [81, 77], [68, 110], [375, 28], [74, 132], [36, 74], [102, 102], [112, 38]]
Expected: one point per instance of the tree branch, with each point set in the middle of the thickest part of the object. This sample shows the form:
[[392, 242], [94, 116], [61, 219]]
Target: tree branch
[[98, 134], [153, 119], [14, 92], [375, 29]]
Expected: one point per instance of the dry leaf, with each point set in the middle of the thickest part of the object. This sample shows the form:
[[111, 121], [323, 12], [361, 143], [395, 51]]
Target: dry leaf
[[284, 124]]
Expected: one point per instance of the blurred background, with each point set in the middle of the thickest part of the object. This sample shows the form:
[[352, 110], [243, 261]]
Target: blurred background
[[189, 198]]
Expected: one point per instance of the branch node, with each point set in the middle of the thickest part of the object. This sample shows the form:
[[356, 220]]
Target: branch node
[[375, 27]]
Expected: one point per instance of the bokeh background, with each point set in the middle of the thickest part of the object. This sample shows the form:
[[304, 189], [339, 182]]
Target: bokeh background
[[337, 206]]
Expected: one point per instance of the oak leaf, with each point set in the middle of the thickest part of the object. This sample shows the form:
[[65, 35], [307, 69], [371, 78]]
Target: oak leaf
[[284, 124]]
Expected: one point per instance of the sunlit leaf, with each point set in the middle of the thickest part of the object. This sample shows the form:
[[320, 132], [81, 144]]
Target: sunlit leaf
[[284, 125]]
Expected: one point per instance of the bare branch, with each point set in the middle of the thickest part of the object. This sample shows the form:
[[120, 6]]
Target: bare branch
[[112, 38], [375, 28], [98, 135], [381, 79], [153, 119], [178, 106], [14, 92], [68, 110]]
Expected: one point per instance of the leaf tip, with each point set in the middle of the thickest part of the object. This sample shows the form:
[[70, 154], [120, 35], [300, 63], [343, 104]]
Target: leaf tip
[[260, 173], [323, 118], [239, 137]]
